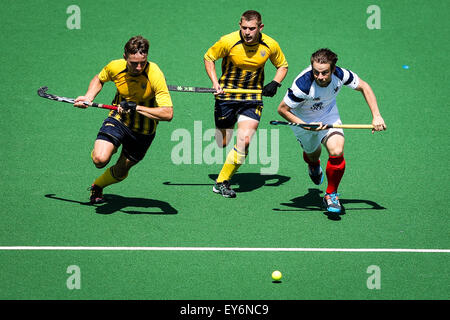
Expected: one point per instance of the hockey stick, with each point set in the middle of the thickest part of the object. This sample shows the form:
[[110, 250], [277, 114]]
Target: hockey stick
[[329, 126], [42, 92], [210, 90]]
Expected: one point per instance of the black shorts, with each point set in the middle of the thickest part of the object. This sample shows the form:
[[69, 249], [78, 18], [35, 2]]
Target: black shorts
[[134, 145], [226, 112]]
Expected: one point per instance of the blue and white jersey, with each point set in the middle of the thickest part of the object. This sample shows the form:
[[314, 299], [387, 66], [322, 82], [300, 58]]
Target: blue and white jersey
[[313, 103]]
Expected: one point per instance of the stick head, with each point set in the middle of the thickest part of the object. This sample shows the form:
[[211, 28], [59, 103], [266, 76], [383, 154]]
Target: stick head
[[42, 91]]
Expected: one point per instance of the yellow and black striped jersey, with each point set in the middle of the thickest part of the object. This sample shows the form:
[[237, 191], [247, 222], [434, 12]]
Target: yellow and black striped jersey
[[149, 89], [243, 64]]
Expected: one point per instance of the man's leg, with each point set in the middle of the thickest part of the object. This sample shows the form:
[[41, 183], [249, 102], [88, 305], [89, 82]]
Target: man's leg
[[235, 158], [116, 173], [223, 136], [101, 155], [335, 170], [225, 120], [314, 169], [310, 142]]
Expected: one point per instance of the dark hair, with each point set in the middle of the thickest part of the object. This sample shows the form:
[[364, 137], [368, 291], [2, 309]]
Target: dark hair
[[252, 14], [137, 44], [325, 55]]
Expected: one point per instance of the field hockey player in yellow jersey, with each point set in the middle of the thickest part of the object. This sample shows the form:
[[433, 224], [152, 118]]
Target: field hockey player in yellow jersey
[[143, 100], [244, 54]]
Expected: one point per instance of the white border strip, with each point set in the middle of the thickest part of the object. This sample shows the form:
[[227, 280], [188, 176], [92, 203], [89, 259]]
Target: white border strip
[[81, 248]]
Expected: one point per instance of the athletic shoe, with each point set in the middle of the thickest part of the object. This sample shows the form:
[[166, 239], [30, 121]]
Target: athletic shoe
[[331, 202], [96, 194], [316, 174], [224, 189]]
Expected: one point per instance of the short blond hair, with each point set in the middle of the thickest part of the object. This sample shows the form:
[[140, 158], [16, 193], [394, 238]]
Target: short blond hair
[[252, 15]]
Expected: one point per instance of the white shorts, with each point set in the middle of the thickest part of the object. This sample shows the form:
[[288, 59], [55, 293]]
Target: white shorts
[[311, 140]]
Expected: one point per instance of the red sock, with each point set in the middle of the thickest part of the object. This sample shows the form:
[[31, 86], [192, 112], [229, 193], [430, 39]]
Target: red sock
[[335, 170], [313, 164]]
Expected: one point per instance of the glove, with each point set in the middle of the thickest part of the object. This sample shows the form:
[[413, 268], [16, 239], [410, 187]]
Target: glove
[[270, 89], [128, 106]]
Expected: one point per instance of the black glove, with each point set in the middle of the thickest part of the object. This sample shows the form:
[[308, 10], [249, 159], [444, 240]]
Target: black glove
[[270, 89], [129, 106]]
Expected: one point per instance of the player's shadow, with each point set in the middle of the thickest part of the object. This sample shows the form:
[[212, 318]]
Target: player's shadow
[[251, 181], [312, 201], [246, 181], [115, 203]]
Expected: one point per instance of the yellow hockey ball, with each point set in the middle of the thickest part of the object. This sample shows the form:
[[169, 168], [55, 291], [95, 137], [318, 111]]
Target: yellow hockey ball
[[276, 275]]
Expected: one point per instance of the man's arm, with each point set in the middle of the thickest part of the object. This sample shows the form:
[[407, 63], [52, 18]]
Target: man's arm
[[270, 89], [95, 86], [366, 90], [155, 113], [280, 74], [160, 113], [285, 111], [210, 67]]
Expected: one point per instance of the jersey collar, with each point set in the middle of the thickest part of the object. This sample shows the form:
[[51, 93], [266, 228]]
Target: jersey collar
[[242, 41]]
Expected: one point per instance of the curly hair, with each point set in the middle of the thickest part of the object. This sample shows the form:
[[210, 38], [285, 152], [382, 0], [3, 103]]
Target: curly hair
[[325, 55], [137, 44]]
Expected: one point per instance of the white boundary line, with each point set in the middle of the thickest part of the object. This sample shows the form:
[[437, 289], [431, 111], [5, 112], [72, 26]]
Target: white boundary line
[[81, 248]]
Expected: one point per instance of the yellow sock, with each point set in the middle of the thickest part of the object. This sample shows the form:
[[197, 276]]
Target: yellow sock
[[107, 178], [234, 160]]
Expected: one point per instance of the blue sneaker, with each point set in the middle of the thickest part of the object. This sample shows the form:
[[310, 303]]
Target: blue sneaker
[[316, 174], [331, 202]]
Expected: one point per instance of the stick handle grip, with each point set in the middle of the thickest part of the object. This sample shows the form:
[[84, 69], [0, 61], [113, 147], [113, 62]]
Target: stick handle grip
[[102, 106]]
